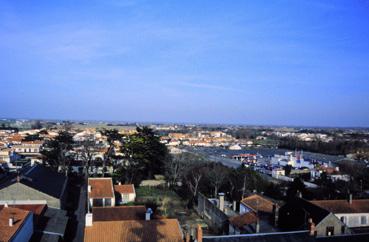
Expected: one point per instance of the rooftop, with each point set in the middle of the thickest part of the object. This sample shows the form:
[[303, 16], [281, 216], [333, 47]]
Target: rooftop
[[43, 179], [127, 188], [100, 187], [343, 206], [118, 213], [163, 230], [19, 215], [258, 203], [36, 209], [243, 219]]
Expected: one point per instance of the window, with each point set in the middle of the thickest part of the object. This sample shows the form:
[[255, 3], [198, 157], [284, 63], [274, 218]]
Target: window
[[330, 231], [97, 202], [125, 197], [108, 202], [343, 219], [363, 220]]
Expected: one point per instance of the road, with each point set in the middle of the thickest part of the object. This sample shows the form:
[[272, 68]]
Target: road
[[80, 214], [226, 161]]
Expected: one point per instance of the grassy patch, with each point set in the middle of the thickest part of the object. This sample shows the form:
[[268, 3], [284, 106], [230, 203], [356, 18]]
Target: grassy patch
[[168, 202]]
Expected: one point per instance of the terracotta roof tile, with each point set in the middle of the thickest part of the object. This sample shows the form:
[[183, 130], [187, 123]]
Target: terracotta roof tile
[[15, 138], [118, 213], [36, 209], [343, 206], [243, 219], [35, 142], [100, 187], [258, 203], [127, 188], [164, 230], [19, 215]]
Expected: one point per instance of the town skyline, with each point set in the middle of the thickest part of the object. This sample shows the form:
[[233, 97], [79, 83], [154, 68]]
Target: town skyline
[[135, 122]]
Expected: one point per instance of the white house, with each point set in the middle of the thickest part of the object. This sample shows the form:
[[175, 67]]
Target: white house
[[354, 213], [277, 172], [28, 147], [101, 192], [126, 193]]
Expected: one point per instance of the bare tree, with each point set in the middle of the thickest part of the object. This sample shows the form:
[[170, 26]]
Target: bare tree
[[217, 176], [175, 168], [86, 154], [112, 135], [193, 180]]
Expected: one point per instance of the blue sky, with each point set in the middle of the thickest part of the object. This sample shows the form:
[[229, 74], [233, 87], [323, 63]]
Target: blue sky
[[245, 62]]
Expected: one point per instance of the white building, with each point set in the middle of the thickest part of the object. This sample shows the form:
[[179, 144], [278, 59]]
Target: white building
[[100, 192], [277, 172], [126, 193], [28, 147], [354, 213], [294, 159]]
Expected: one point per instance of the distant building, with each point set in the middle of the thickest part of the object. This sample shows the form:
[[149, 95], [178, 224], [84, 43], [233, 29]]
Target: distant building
[[28, 147], [235, 147], [294, 159], [277, 172], [246, 158]]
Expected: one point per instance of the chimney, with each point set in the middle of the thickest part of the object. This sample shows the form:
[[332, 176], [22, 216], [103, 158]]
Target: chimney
[[89, 188], [199, 233], [276, 213], [221, 201], [11, 222], [188, 237], [299, 194], [234, 206], [311, 225], [88, 219], [350, 198], [148, 214]]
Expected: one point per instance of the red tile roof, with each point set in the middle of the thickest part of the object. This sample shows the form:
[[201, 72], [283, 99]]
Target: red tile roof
[[15, 138], [100, 187], [19, 215], [243, 219], [36, 209], [118, 213], [258, 203], [162, 230], [127, 188], [343, 206], [35, 142]]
